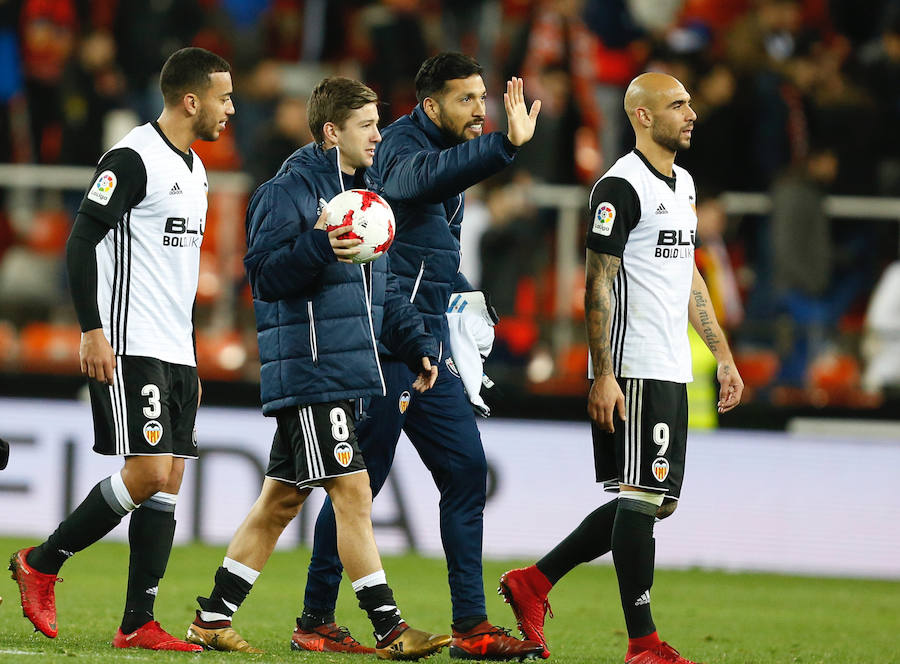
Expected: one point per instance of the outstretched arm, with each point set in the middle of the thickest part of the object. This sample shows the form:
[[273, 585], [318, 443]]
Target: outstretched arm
[[703, 318], [418, 173], [605, 395]]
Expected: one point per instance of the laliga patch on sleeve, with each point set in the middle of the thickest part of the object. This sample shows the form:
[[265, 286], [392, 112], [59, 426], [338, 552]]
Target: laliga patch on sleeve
[[103, 188], [604, 218]]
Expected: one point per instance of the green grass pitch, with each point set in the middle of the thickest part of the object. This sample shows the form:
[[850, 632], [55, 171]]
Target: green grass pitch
[[713, 617]]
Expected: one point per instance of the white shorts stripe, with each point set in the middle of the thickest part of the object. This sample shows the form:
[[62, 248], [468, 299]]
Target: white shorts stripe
[[634, 402], [114, 405], [305, 430], [120, 381], [635, 434], [313, 457], [117, 400], [639, 423], [317, 451], [629, 429]]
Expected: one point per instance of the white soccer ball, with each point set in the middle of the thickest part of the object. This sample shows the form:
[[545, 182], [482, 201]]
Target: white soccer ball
[[368, 217]]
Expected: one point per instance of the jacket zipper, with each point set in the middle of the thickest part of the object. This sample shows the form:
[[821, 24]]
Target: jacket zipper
[[418, 281], [313, 345], [368, 298]]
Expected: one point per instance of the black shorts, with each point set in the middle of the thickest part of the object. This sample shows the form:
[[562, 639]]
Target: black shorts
[[149, 409], [648, 449], [315, 443]]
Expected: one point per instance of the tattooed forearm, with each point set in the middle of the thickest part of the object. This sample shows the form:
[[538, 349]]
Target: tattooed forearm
[[600, 271], [706, 327]]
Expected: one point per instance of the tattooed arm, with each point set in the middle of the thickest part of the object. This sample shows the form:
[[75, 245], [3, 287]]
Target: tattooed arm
[[605, 395], [703, 318]]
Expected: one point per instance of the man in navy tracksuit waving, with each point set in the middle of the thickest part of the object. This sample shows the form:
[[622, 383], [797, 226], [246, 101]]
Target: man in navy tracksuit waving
[[426, 161], [319, 318]]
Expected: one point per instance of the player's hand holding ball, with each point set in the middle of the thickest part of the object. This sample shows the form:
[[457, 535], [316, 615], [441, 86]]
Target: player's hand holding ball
[[360, 225]]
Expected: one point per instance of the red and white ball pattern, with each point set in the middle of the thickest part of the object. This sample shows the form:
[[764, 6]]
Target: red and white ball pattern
[[369, 219]]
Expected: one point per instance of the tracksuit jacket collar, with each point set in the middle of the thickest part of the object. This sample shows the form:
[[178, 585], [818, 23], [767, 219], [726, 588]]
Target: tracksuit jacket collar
[[432, 131], [329, 160]]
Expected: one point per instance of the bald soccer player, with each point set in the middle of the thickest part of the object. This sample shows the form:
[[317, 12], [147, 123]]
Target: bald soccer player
[[642, 289]]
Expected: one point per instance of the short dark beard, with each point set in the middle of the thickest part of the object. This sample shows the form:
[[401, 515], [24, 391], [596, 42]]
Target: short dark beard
[[450, 136], [669, 142], [202, 128]]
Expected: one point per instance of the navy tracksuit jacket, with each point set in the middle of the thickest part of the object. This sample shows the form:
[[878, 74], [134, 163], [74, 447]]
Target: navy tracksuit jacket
[[424, 180], [318, 320]]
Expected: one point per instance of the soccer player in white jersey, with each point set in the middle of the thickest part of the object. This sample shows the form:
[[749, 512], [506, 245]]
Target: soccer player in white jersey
[[642, 289], [133, 260]]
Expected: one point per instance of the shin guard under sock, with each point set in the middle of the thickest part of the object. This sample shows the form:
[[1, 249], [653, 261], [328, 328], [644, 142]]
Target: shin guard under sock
[[150, 536], [633, 550]]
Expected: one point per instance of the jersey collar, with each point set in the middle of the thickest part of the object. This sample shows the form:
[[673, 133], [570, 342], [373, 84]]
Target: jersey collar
[[670, 181], [188, 156]]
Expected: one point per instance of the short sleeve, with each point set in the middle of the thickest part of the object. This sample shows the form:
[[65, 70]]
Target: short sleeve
[[119, 184], [615, 211]]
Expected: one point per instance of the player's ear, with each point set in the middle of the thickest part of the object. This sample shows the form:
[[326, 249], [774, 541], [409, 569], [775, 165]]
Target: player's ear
[[191, 103], [430, 106], [329, 131], [643, 116]]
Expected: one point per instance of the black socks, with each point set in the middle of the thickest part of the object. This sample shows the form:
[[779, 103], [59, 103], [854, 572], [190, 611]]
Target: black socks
[[309, 621], [378, 603], [227, 595], [591, 539], [150, 535], [97, 514], [633, 549]]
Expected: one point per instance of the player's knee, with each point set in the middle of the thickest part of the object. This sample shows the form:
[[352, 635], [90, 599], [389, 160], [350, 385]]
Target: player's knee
[[469, 473], [286, 509], [351, 497], [281, 504], [666, 509], [147, 483], [144, 476]]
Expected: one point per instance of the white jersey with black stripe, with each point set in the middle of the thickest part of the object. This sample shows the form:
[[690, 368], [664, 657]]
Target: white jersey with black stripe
[[650, 221], [148, 266]]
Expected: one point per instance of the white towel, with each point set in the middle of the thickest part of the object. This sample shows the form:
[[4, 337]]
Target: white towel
[[471, 321]]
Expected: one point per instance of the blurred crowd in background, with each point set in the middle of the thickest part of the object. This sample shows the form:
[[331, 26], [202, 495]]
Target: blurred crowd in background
[[797, 99]]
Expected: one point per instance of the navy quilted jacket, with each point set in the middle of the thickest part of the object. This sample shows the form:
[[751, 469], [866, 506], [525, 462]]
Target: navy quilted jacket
[[424, 179], [318, 320]]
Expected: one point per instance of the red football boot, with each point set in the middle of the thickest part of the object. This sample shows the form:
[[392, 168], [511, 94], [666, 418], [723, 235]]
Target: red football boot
[[487, 642], [152, 637], [661, 654], [525, 590], [328, 638], [36, 591]]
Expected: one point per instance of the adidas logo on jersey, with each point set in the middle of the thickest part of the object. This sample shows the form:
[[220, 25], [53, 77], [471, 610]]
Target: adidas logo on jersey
[[643, 599], [175, 190], [662, 209]]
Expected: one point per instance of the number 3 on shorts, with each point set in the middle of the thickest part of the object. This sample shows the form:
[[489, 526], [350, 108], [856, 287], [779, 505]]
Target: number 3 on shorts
[[661, 437], [153, 409], [339, 430]]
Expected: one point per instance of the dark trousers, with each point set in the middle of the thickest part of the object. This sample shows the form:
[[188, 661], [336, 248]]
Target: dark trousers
[[441, 425]]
